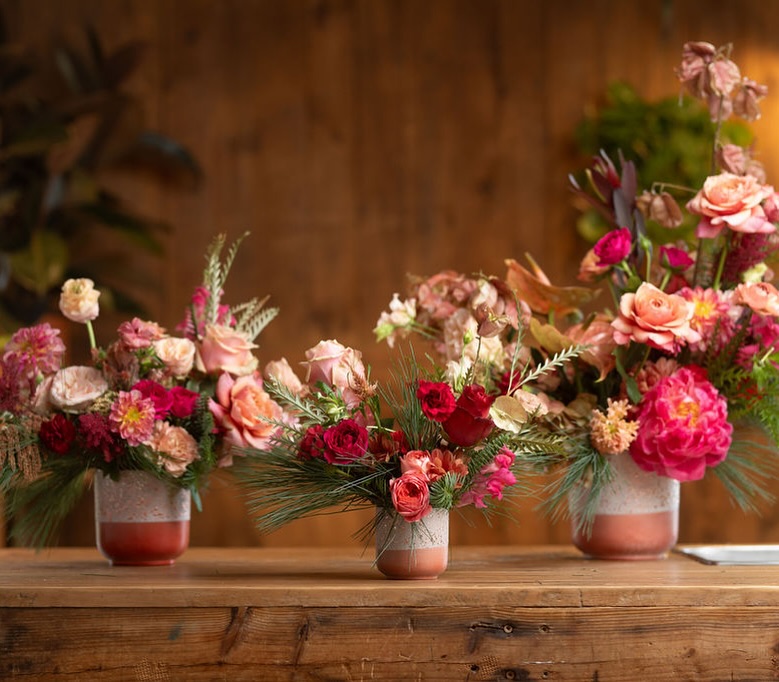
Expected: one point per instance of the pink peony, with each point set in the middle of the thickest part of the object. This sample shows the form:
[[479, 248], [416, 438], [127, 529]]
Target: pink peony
[[732, 201], [683, 426], [657, 319]]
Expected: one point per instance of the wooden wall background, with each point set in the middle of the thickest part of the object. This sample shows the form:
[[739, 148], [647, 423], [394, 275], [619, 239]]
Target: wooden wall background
[[359, 140]]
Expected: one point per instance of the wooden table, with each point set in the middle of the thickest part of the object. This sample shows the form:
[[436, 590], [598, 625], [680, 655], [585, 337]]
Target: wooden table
[[498, 613]]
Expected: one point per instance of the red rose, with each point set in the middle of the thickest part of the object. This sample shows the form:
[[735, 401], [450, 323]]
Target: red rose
[[183, 401], [437, 400], [58, 434], [346, 442], [470, 421], [411, 496]]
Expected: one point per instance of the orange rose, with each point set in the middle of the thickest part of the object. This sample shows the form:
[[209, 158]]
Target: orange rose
[[761, 297], [655, 318]]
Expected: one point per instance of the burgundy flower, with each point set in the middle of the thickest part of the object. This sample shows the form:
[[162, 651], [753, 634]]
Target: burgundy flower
[[312, 445], [158, 394], [437, 400], [346, 442], [470, 422], [613, 247], [96, 432], [183, 401], [58, 434]]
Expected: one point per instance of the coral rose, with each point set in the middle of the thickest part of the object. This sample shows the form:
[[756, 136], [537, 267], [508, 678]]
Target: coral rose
[[761, 297], [655, 318], [244, 412], [176, 446], [411, 496], [683, 426], [733, 201], [224, 349]]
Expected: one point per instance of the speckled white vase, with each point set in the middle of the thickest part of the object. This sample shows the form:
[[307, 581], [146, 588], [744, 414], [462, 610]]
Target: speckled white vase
[[637, 516], [412, 551]]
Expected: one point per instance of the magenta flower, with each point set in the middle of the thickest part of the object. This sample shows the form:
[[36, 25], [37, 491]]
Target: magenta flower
[[36, 349], [137, 333], [675, 258], [613, 247], [183, 401], [132, 417], [491, 480], [346, 442], [683, 426], [158, 394]]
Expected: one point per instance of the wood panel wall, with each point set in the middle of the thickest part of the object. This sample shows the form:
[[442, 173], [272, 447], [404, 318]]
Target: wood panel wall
[[360, 140]]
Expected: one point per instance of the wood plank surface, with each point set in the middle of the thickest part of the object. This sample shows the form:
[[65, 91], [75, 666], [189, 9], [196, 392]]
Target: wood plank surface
[[525, 613]]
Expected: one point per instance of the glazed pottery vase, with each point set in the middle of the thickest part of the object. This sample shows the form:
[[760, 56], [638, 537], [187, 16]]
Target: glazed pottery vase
[[637, 514], [412, 551], [140, 520]]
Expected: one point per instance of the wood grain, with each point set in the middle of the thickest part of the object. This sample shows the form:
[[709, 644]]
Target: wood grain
[[533, 613], [360, 140]]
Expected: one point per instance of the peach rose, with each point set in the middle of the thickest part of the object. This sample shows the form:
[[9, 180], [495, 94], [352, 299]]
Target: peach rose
[[178, 355], [655, 318], [281, 372], [176, 446], [761, 297], [78, 300], [339, 367], [75, 388], [224, 349], [244, 411], [733, 201]]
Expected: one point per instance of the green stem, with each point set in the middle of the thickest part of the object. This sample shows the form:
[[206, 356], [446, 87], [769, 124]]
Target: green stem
[[91, 332], [721, 265]]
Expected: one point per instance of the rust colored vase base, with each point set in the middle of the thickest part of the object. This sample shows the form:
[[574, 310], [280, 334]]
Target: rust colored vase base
[[416, 564], [630, 536], [143, 544]]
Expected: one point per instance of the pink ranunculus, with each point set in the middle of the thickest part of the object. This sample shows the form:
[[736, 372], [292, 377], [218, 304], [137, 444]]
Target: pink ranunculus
[[613, 247], [176, 446], [410, 496], [761, 297], [675, 258], [75, 388], [732, 201], [655, 318], [224, 349], [136, 334], [78, 300], [346, 442], [470, 421], [683, 426], [338, 367], [244, 412], [177, 354]]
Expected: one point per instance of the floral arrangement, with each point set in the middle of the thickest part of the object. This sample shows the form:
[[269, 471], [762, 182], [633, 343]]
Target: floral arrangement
[[689, 349], [426, 440], [148, 401]]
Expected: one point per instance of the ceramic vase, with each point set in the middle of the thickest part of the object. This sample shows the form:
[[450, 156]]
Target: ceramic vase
[[413, 551], [637, 514], [140, 520]]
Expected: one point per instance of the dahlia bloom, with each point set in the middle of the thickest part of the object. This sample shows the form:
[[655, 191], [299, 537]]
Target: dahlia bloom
[[683, 426], [132, 417]]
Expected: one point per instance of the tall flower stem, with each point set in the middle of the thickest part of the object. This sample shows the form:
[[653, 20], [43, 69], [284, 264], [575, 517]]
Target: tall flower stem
[[91, 332]]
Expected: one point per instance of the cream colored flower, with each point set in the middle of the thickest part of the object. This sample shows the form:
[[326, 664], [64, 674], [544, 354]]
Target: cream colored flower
[[78, 300], [178, 355], [75, 388]]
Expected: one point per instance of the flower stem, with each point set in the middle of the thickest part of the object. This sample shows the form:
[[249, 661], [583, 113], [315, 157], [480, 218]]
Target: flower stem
[[91, 332]]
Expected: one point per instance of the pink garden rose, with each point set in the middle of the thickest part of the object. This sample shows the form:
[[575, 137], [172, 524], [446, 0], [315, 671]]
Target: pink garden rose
[[411, 496], [760, 297], [683, 426], [732, 201], [177, 354], [244, 412], [176, 446], [338, 367], [224, 349], [75, 388], [655, 318]]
